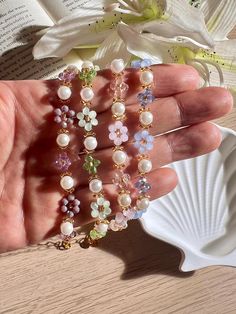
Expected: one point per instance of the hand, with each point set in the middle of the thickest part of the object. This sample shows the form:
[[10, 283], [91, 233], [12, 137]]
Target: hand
[[29, 185]]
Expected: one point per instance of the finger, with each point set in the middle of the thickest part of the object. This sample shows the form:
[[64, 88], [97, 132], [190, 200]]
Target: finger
[[190, 108], [173, 112]]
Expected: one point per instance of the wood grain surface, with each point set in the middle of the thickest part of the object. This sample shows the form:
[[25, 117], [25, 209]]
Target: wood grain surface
[[130, 272]]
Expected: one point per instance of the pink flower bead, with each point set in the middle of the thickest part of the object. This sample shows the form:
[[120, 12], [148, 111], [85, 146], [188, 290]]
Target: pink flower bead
[[118, 133]]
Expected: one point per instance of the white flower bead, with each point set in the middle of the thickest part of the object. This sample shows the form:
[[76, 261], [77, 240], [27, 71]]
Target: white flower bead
[[95, 185], [87, 65], [146, 77], [90, 143], [87, 93], [146, 118], [66, 228], [67, 182], [63, 140], [145, 165], [102, 227], [143, 203], [124, 200], [64, 92], [119, 157], [117, 65], [118, 109]]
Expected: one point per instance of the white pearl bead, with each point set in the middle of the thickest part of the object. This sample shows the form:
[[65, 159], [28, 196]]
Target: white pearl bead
[[95, 185], [67, 182], [145, 165], [87, 65], [86, 93], [143, 203], [118, 109], [66, 228], [146, 118], [64, 92], [146, 77], [119, 157], [63, 139], [102, 227], [117, 65], [124, 200], [90, 143]]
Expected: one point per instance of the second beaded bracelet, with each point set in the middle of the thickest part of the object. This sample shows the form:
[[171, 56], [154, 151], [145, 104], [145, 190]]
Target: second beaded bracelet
[[100, 208]]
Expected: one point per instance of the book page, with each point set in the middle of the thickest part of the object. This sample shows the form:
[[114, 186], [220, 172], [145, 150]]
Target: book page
[[19, 21], [57, 9]]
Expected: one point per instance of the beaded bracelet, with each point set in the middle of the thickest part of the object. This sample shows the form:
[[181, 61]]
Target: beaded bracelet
[[143, 139], [69, 204], [118, 133], [100, 208]]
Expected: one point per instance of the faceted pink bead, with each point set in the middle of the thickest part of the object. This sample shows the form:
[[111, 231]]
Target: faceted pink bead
[[119, 87], [121, 179]]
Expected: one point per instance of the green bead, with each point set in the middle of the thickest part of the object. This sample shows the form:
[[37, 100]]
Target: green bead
[[95, 235], [91, 164], [88, 75]]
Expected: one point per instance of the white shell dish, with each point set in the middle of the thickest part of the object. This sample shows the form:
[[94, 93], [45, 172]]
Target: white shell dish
[[199, 215]]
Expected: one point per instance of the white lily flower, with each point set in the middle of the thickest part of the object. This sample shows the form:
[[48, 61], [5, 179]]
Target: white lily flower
[[163, 31], [97, 26], [216, 65]]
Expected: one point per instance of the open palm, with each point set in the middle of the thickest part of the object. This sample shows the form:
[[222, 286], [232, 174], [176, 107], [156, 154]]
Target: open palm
[[29, 184]]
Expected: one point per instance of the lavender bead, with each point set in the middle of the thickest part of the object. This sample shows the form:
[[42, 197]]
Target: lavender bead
[[64, 201], [57, 111], [76, 202], [64, 209], [57, 119], [76, 209], [71, 197], [65, 108], [70, 214]]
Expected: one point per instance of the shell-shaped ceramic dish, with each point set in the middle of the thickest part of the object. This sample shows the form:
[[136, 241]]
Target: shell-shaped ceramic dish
[[199, 215]]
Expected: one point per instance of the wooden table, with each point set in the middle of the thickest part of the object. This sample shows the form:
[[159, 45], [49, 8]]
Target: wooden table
[[130, 272]]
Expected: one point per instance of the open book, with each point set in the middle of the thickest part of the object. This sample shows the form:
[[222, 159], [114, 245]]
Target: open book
[[19, 22]]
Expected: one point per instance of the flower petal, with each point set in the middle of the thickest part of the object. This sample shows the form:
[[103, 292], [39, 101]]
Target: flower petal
[[187, 21], [85, 111], [80, 115], [94, 122], [220, 17], [112, 136], [111, 48], [72, 30], [82, 123], [111, 128], [92, 114], [88, 126], [100, 200]]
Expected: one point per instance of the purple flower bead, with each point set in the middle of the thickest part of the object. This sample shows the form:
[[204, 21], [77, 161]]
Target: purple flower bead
[[139, 214], [62, 162], [146, 97], [142, 185], [143, 141], [68, 74], [70, 205], [141, 63], [64, 116], [118, 133]]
